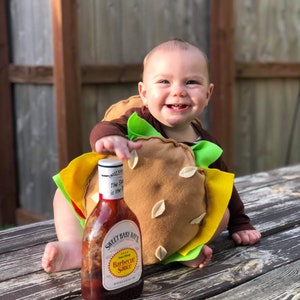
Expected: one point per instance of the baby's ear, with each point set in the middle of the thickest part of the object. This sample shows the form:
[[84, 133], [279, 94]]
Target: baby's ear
[[142, 92], [210, 91]]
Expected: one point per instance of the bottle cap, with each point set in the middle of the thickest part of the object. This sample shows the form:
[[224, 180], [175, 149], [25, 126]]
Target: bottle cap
[[110, 162]]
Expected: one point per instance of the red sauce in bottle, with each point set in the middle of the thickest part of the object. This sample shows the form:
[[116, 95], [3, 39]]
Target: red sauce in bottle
[[112, 246]]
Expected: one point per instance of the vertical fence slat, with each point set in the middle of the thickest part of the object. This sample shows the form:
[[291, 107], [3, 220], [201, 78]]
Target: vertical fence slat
[[8, 185], [67, 79], [222, 64]]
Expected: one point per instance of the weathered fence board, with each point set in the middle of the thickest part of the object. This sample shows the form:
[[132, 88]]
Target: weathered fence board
[[31, 43], [266, 31]]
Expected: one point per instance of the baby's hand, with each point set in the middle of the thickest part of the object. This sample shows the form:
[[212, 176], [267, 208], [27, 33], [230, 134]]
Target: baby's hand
[[118, 145], [246, 237]]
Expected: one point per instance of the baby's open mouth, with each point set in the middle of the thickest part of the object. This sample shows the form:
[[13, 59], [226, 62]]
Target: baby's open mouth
[[177, 106]]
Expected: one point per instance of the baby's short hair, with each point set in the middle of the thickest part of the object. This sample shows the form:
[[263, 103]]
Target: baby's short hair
[[173, 44]]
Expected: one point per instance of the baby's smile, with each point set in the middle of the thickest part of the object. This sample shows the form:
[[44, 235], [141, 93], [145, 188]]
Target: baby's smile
[[178, 107]]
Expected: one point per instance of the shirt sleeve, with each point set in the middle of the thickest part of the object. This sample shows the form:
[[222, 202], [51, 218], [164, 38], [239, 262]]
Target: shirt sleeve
[[119, 126], [108, 128]]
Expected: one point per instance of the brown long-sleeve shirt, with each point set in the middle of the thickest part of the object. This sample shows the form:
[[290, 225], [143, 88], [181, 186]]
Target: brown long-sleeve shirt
[[238, 219]]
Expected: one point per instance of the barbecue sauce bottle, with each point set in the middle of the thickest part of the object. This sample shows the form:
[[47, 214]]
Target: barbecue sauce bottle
[[111, 247]]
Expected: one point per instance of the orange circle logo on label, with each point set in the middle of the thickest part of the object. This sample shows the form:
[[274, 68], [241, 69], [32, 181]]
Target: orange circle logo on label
[[123, 262]]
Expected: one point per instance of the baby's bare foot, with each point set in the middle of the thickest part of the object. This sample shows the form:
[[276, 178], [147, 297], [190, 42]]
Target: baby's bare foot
[[59, 256], [202, 260], [53, 257]]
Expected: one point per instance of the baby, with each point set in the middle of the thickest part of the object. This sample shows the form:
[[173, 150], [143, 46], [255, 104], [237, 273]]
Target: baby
[[174, 91]]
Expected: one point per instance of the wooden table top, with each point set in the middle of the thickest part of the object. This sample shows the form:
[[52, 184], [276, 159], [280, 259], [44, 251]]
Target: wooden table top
[[268, 270]]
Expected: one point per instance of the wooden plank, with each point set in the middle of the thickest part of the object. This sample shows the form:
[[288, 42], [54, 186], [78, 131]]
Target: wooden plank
[[142, 19], [26, 236], [67, 79], [222, 68], [228, 269], [93, 74], [263, 179], [267, 31], [242, 264], [261, 142], [8, 182], [24, 216], [31, 74], [267, 59], [34, 106], [37, 148], [258, 70], [100, 33], [40, 285], [112, 73], [27, 260], [119, 73], [268, 208], [278, 284], [277, 189]]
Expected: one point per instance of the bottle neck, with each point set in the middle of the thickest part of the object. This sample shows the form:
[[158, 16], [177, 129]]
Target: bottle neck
[[104, 198], [110, 180]]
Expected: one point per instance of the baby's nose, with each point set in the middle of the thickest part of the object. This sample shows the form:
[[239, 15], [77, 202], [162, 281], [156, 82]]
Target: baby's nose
[[179, 91]]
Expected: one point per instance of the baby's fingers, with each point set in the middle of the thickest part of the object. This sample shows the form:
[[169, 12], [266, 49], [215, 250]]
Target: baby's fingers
[[134, 145], [246, 237], [99, 146], [122, 153]]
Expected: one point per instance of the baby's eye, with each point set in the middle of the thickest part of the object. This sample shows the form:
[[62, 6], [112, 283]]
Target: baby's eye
[[164, 81], [192, 82]]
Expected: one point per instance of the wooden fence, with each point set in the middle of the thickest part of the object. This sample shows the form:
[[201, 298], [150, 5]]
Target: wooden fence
[[267, 87], [63, 62]]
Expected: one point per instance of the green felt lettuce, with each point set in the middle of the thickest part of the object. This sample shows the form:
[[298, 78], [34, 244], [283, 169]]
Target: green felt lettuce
[[205, 152], [138, 127]]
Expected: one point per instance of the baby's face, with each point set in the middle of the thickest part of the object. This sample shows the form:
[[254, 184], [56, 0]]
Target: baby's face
[[175, 85]]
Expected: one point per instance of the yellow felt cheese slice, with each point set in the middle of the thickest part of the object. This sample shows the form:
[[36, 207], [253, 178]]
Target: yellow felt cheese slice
[[76, 174], [219, 186]]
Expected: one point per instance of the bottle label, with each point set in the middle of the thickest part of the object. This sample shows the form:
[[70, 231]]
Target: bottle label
[[121, 255], [110, 182]]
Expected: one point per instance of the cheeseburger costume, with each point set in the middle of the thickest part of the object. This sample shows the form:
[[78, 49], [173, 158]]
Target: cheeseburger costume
[[179, 191]]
